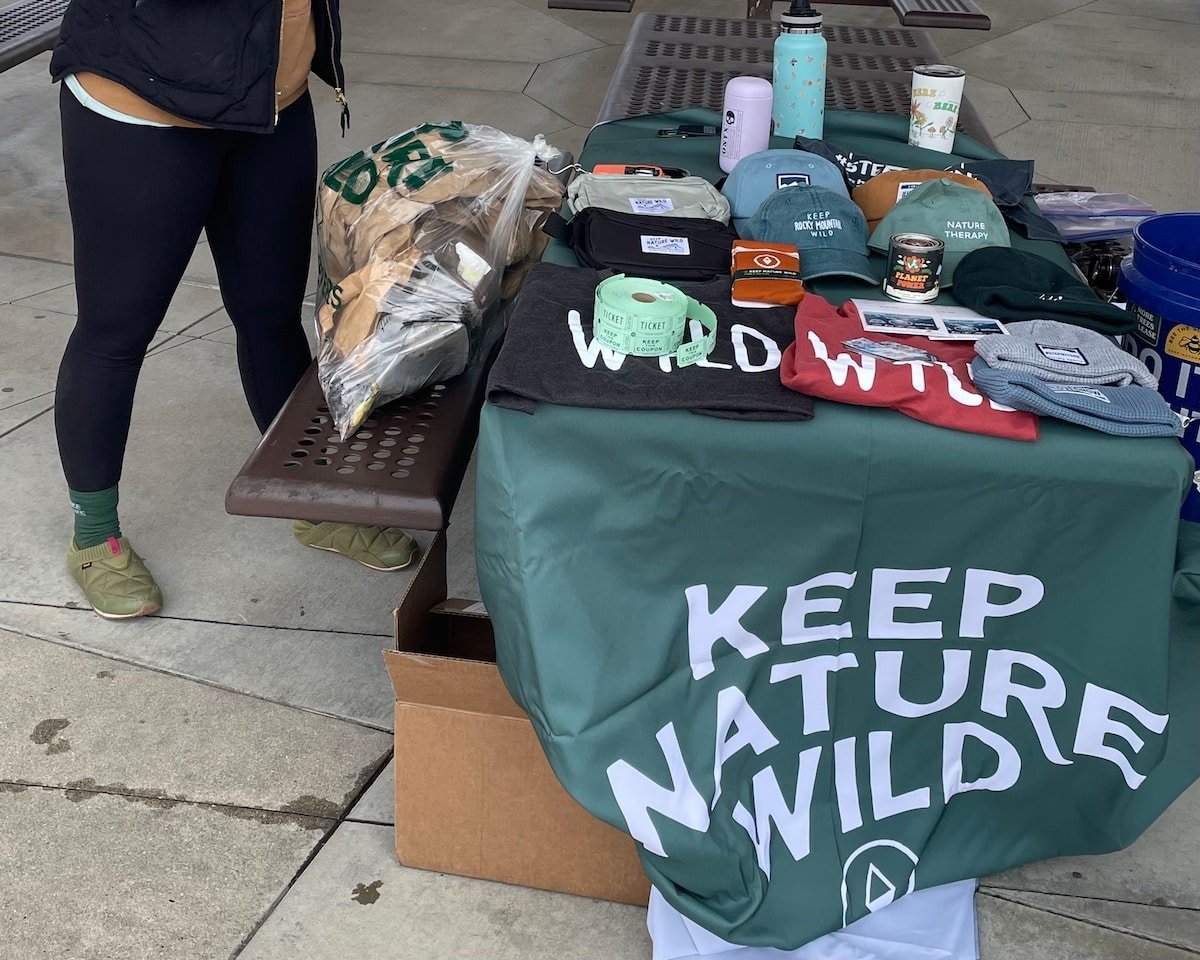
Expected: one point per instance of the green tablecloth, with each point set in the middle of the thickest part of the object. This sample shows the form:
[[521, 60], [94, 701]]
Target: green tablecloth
[[813, 666]]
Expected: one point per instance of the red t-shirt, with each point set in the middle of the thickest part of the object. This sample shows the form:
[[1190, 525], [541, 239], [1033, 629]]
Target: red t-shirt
[[820, 365]]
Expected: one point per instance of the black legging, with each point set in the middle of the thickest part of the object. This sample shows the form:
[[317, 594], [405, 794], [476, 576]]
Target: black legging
[[139, 197]]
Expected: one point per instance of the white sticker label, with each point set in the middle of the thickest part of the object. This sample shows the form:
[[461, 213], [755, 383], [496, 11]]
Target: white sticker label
[[1063, 354], [731, 134], [1082, 392], [791, 180], [905, 189], [652, 205], [675, 246]]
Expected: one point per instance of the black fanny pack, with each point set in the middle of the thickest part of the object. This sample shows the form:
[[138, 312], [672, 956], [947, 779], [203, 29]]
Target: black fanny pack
[[662, 248]]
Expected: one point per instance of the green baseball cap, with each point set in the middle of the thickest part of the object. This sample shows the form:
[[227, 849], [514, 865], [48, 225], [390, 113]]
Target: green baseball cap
[[963, 218], [824, 225]]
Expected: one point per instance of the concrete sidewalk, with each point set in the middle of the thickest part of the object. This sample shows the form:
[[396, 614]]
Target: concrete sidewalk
[[212, 782]]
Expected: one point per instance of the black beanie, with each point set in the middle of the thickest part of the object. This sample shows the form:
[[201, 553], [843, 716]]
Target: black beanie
[[1010, 284]]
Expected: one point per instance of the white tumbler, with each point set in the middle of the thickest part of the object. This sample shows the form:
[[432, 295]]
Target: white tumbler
[[745, 120], [937, 90]]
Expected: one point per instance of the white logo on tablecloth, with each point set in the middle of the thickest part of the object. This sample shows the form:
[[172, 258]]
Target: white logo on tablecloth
[[887, 871]]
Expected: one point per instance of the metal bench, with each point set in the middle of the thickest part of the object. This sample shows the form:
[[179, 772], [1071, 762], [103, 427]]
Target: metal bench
[[929, 14], [672, 61], [402, 468], [27, 28], [958, 14]]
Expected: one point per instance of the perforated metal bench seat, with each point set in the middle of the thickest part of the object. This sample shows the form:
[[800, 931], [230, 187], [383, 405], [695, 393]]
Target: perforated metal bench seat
[[958, 14], [402, 468], [27, 28], [675, 61]]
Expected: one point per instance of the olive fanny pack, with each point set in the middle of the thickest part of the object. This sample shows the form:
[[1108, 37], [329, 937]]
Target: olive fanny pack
[[649, 196], [662, 248]]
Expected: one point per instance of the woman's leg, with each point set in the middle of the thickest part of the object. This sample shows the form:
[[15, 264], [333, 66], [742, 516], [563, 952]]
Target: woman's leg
[[138, 198], [260, 232]]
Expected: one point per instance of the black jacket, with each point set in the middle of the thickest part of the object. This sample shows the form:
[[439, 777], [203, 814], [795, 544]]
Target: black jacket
[[209, 61]]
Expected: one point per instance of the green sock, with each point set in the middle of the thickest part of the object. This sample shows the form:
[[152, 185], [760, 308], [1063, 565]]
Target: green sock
[[95, 516]]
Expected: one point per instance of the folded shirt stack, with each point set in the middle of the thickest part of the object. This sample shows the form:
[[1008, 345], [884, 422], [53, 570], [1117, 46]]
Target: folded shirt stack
[[1073, 374]]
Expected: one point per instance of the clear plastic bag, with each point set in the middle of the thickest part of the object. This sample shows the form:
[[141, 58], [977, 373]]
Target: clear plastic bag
[[414, 236], [1070, 203], [1087, 229]]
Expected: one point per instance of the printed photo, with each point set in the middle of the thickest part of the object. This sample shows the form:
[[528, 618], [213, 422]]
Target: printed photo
[[983, 327], [890, 350], [900, 323]]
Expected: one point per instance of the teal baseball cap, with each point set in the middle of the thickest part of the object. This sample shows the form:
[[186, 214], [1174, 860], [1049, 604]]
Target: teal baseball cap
[[825, 225], [758, 175], [963, 218]]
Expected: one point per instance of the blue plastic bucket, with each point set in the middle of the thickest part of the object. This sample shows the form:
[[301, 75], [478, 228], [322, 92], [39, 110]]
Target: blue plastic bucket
[[1161, 281]]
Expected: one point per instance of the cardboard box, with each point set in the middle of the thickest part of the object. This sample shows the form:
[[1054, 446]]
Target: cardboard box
[[475, 794]]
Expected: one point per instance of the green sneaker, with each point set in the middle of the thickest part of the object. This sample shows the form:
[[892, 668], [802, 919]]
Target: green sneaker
[[115, 580], [380, 548]]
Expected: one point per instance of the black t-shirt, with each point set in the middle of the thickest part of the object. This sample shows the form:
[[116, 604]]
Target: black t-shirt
[[550, 355]]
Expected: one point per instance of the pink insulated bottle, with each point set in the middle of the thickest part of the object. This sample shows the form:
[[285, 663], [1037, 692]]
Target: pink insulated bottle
[[745, 119]]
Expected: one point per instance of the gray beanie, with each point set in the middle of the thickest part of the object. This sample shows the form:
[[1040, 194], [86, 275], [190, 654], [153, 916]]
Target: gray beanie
[[1131, 411], [1063, 353]]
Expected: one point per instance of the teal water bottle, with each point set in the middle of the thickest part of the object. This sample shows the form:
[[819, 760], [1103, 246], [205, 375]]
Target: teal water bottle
[[798, 106]]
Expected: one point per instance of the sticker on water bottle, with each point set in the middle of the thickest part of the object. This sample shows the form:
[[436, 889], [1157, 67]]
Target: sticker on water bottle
[[731, 134]]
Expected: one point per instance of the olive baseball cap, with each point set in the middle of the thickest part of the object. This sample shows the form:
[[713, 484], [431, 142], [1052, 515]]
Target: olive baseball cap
[[758, 175], [823, 224], [963, 218], [879, 194]]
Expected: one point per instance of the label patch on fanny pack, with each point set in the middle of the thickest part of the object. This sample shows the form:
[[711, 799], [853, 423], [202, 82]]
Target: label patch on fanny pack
[[651, 205], [674, 246], [1063, 354]]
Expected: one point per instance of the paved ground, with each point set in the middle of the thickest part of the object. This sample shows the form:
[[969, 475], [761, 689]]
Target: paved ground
[[193, 786]]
